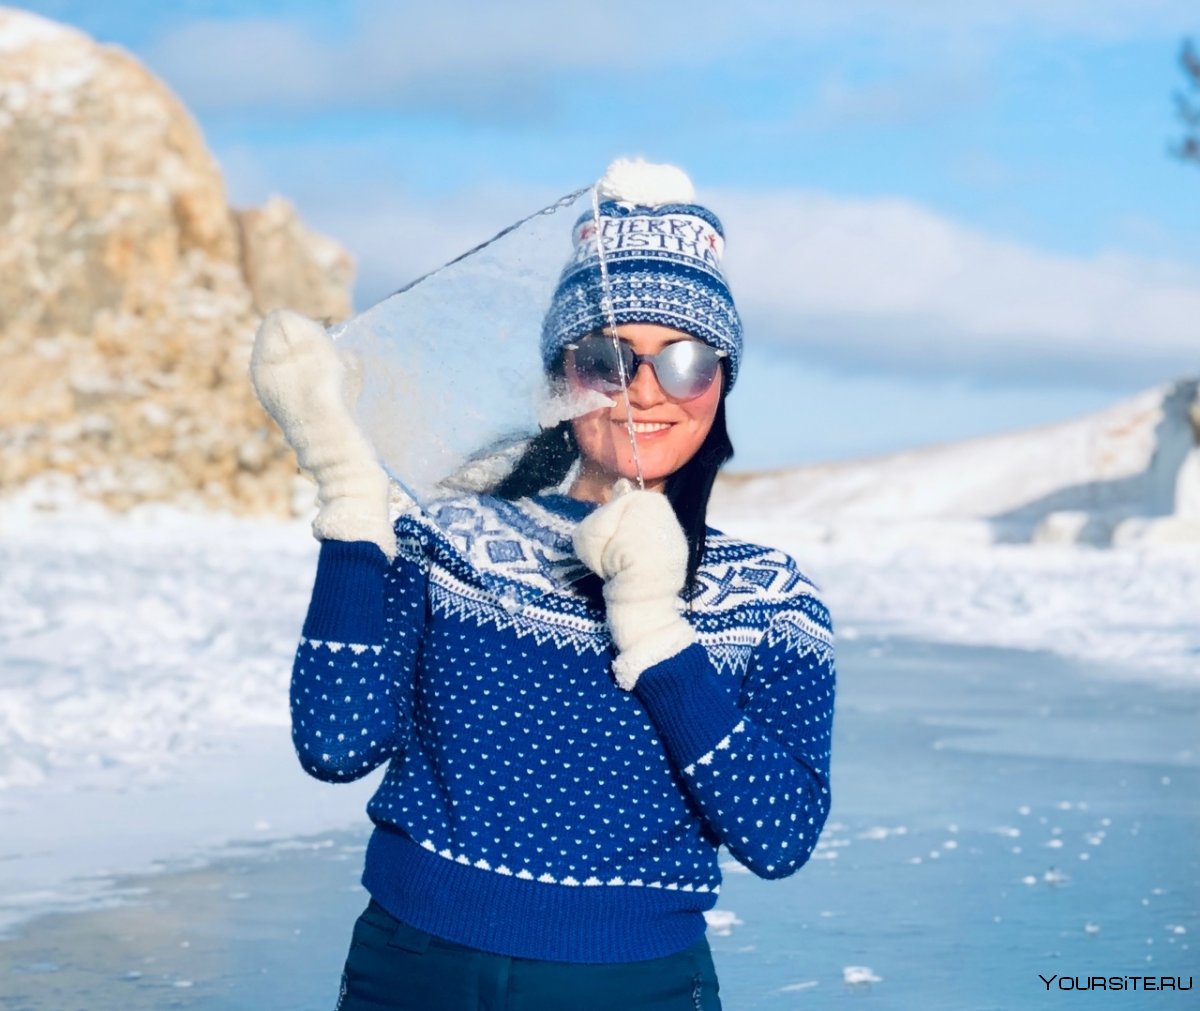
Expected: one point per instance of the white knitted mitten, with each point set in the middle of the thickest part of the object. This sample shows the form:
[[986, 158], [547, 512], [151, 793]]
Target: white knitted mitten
[[304, 384], [635, 544]]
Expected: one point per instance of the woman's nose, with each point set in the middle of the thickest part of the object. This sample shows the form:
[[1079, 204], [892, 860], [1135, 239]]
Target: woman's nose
[[644, 390]]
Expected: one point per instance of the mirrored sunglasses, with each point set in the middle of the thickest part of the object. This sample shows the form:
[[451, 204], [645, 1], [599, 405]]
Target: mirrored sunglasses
[[684, 369]]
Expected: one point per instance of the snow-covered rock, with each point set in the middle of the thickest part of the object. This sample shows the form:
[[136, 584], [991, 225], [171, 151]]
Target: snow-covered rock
[[1128, 474], [1064, 526], [130, 291], [1187, 487]]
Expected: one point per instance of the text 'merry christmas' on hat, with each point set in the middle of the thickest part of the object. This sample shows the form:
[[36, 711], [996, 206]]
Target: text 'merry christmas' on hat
[[662, 254]]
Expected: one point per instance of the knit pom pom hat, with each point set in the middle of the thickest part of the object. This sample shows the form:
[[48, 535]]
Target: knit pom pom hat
[[662, 255]]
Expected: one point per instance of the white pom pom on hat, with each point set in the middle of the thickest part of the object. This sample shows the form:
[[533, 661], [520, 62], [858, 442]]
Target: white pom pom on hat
[[637, 181]]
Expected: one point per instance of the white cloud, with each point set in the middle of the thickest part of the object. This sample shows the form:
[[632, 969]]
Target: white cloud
[[890, 285], [501, 61], [477, 59], [882, 286]]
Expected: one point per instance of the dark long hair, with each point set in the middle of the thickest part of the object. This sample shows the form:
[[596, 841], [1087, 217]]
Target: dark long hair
[[551, 453]]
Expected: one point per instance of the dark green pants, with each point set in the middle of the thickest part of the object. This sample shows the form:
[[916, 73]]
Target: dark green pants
[[395, 967]]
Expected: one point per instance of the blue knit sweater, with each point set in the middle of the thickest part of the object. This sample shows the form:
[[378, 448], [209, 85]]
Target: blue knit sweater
[[530, 806]]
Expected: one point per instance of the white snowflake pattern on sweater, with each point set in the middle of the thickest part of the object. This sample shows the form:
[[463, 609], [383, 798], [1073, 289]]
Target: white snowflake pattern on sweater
[[519, 773]]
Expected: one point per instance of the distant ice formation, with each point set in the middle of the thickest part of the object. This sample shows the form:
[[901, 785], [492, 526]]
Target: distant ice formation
[[1126, 476]]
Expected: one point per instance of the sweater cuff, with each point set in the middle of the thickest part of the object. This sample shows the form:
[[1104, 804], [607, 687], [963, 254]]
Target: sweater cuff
[[347, 597], [687, 704]]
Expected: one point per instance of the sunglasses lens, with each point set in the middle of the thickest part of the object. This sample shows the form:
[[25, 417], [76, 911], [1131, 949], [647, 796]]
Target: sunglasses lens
[[686, 369], [597, 364]]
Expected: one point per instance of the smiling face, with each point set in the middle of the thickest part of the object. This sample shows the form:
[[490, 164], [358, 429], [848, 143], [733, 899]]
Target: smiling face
[[669, 431]]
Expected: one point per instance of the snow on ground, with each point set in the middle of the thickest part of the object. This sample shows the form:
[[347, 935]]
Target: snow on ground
[[144, 667], [127, 642], [1138, 607]]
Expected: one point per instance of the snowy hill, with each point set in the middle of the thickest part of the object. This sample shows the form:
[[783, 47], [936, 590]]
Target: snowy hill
[[1126, 475]]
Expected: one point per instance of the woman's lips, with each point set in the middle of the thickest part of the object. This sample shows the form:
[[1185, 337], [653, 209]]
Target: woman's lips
[[649, 429]]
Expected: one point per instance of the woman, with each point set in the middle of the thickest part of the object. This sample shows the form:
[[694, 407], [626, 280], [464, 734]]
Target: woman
[[565, 755]]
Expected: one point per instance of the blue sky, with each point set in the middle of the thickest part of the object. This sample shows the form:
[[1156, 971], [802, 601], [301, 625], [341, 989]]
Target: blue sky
[[944, 219]]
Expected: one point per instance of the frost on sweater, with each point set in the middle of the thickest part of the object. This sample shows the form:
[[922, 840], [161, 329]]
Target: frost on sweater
[[530, 806]]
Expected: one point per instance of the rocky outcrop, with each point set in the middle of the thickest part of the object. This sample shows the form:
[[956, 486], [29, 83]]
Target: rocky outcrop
[[287, 266], [130, 291]]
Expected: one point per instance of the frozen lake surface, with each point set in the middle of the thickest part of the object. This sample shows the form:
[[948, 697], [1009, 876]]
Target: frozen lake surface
[[998, 814]]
